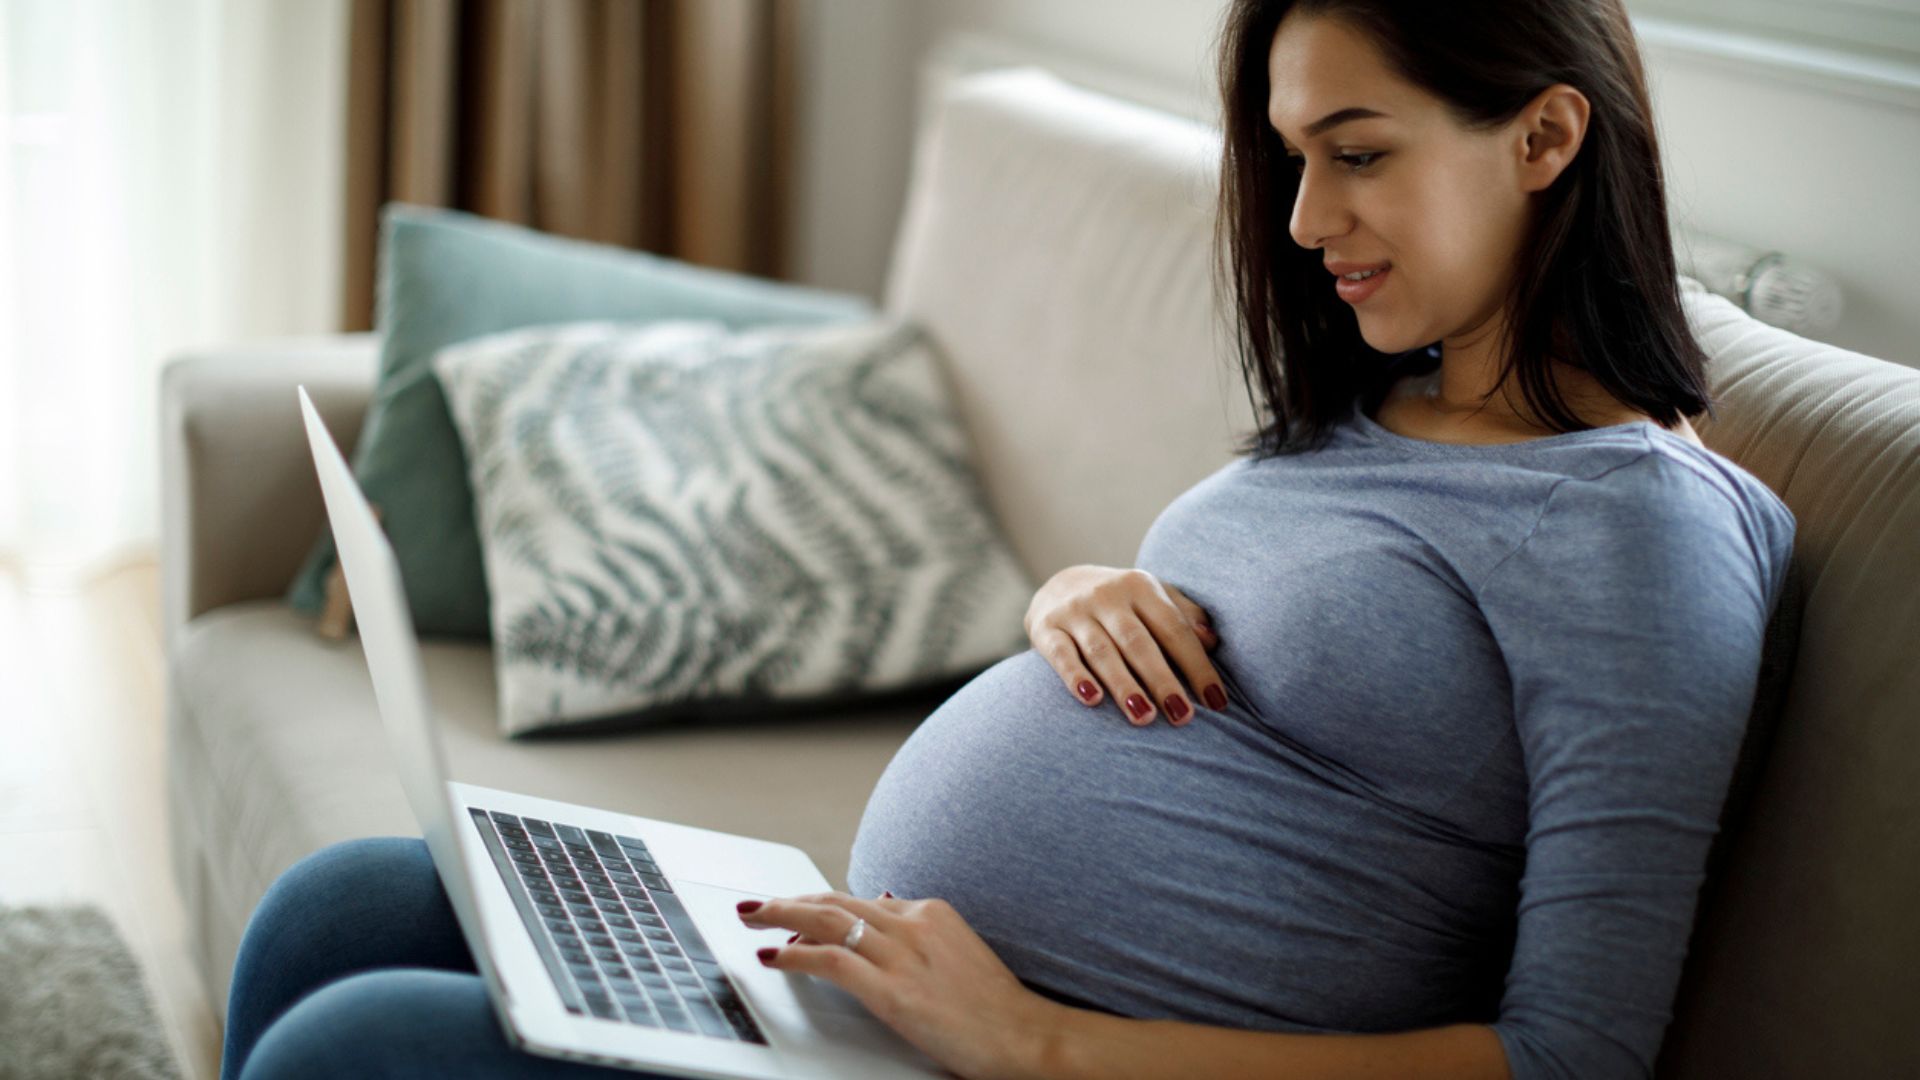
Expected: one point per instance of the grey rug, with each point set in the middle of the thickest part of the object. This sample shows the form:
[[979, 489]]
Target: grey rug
[[73, 1002]]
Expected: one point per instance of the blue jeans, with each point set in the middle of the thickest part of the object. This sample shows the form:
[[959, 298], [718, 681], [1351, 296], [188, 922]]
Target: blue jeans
[[353, 965]]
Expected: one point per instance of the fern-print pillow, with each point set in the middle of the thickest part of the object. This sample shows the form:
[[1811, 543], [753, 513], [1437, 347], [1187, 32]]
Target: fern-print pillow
[[674, 514]]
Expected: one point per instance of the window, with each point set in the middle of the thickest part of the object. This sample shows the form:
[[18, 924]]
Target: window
[[1884, 30]]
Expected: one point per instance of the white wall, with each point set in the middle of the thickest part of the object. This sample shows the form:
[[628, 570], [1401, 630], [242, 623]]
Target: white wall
[[1817, 168]]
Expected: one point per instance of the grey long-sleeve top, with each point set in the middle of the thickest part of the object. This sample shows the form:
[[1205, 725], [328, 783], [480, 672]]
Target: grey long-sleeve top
[[1485, 704]]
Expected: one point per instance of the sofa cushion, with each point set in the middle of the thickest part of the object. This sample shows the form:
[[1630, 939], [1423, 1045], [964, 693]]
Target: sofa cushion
[[683, 521], [447, 276], [277, 751]]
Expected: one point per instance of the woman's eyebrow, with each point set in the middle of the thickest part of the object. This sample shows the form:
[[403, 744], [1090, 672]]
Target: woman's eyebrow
[[1341, 116]]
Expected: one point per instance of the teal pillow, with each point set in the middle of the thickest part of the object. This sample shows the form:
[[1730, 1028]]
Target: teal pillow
[[447, 276]]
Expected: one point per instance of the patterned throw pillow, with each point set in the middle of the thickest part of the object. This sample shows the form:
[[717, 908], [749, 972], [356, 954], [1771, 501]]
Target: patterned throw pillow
[[677, 516]]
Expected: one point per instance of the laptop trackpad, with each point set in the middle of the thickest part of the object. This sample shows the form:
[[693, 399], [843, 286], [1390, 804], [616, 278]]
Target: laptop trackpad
[[735, 943]]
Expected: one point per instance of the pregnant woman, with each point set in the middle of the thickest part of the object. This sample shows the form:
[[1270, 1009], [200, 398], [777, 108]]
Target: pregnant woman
[[1454, 659]]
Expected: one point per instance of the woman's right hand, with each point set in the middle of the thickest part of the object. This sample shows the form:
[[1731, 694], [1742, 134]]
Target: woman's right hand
[[1114, 627]]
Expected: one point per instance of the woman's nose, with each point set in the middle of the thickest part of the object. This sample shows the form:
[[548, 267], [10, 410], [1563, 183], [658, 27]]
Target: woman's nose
[[1317, 214]]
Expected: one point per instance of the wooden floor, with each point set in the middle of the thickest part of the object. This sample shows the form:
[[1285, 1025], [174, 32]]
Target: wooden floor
[[82, 776]]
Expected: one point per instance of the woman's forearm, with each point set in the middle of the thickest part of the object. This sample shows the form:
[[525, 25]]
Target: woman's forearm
[[1081, 1043]]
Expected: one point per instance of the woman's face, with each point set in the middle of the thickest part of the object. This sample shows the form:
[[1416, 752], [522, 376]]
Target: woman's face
[[1445, 208]]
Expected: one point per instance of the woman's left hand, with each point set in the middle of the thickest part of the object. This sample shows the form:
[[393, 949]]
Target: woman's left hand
[[923, 971]]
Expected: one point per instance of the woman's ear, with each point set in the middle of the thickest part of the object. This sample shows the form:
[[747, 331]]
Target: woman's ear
[[1548, 135]]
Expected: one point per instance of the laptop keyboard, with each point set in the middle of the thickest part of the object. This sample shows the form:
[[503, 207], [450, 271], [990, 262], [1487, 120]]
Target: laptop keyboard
[[615, 938]]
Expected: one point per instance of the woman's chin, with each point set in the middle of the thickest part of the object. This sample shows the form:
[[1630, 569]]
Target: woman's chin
[[1385, 340]]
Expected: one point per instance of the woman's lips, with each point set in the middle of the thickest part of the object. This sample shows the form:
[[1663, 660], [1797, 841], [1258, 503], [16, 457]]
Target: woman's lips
[[1353, 292]]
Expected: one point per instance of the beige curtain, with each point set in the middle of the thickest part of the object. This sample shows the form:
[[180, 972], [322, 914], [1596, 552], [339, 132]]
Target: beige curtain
[[661, 125]]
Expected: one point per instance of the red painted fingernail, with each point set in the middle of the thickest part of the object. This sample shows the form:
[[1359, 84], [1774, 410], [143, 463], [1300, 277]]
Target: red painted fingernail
[[1138, 706], [767, 954], [747, 907], [1216, 698], [793, 939], [1088, 690], [1177, 708], [887, 893]]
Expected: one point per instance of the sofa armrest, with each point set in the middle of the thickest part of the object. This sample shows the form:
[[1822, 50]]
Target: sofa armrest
[[240, 500]]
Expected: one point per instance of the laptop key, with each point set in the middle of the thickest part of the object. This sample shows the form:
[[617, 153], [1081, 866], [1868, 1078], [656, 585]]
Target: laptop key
[[678, 1020], [535, 825], [683, 928], [603, 1008], [709, 1019], [656, 882], [748, 1031]]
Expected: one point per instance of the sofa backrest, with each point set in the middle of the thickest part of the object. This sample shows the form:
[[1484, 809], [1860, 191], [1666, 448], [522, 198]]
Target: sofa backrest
[[1806, 957], [1055, 242], [1058, 244]]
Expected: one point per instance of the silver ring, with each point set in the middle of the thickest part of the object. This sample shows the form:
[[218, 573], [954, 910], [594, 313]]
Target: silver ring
[[852, 940]]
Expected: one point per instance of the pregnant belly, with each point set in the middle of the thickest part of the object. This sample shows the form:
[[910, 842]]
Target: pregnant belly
[[1199, 872]]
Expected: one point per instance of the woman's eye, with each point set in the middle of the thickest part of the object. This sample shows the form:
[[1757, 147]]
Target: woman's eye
[[1353, 162]]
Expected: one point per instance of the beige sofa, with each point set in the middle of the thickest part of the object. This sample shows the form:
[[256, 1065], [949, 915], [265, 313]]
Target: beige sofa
[[1057, 244]]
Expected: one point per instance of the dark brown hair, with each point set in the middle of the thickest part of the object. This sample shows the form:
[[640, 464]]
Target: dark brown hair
[[1597, 287]]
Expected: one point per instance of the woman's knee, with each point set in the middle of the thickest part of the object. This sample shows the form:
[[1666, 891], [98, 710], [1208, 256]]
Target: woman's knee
[[353, 906], [410, 1022], [351, 868], [373, 900], [403, 1022]]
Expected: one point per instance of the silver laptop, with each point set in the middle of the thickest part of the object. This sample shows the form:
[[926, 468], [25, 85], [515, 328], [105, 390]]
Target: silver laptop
[[602, 937]]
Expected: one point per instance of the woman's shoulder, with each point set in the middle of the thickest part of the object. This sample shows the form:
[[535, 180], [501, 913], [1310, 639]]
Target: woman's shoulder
[[1669, 488], [1717, 473]]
